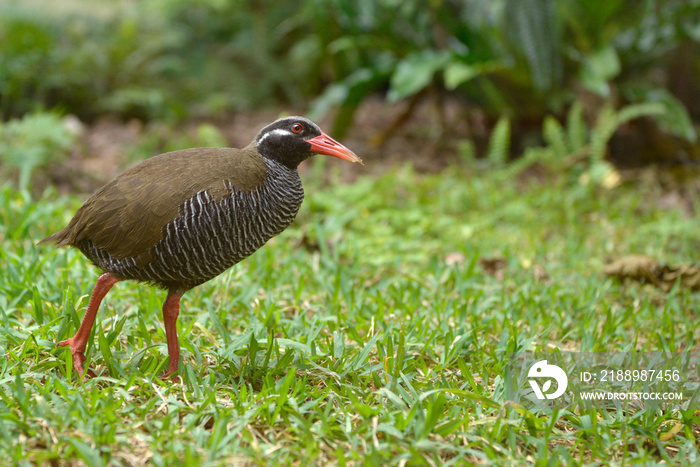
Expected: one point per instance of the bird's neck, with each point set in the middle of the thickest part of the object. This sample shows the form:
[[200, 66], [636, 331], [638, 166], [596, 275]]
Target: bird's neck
[[283, 180], [280, 171]]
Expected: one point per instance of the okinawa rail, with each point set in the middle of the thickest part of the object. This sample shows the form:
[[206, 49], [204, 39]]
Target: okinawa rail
[[181, 218]]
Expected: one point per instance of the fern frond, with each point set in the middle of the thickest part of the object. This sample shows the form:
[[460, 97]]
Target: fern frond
[[555, 137], [576, 127], [499, 143], [609, 121], [644, 109], [605, 127]]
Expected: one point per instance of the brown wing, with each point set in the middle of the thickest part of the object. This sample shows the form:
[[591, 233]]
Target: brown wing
[[126, 217]]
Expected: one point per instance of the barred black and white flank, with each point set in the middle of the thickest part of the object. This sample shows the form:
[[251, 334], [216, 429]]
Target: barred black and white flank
[[209, 236]]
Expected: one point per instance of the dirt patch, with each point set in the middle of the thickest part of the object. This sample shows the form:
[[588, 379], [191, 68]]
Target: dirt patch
[[382, 134], [426, 132]]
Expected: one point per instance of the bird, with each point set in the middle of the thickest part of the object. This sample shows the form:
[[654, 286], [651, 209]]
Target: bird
[[179, 219]]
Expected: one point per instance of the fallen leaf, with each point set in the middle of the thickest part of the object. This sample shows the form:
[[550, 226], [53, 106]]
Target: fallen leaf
[[453, 258], [493, 266], [672, 432], [645, 269], [540, 274]]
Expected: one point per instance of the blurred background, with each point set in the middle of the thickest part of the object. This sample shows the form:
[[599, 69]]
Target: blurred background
[[89, 87]]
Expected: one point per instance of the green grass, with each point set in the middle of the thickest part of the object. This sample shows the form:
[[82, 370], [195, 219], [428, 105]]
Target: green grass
[[368, 332]]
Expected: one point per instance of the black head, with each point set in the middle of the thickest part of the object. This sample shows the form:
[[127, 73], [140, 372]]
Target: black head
[[291, 140]]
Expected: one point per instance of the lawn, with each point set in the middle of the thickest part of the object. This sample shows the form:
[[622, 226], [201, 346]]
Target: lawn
[[375, 330]]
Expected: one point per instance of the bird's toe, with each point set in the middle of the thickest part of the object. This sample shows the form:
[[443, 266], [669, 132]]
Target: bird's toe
[[64, 343], [175, 378]]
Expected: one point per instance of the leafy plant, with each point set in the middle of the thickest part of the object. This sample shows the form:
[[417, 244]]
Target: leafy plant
[[154, 59], [34, 141], [575, 145], [499, 142], [515, 57], [522, 58]]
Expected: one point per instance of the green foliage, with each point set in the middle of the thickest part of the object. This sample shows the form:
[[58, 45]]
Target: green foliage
[[172, 60], [34, 141], [499, 143], [415, 72], [160, 138], [609, 121], [368, 332], [575, 149], [532, 31], [599, 69], [210, 136], [674, 118], [154, 59], [98, 62], [576, 129], [555, 137], [518, 57]]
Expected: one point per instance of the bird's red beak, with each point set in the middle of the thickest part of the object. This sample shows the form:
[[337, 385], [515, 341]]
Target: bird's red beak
[[324, 144]]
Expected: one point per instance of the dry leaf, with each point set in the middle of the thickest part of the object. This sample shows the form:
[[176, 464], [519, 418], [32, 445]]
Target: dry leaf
[[672, 432], [645, 269], [453, 258], [493, 266]]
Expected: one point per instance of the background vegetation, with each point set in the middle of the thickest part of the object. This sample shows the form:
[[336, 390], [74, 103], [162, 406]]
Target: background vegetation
[[514, 148], [178, 59]]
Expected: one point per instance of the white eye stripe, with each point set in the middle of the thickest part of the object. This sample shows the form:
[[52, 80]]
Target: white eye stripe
[[277, 131]]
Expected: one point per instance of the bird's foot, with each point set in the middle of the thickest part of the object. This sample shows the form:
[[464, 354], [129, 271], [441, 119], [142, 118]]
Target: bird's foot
[[172, 376], [78, 358]]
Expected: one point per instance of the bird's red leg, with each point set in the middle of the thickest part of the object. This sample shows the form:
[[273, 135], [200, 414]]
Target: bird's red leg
[[78, 342], [171, 309]]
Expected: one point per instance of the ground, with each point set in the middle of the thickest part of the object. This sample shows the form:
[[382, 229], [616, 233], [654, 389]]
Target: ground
[[377, 329]]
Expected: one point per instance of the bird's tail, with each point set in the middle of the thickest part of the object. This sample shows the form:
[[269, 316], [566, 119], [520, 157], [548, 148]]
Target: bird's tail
[[59, 238]]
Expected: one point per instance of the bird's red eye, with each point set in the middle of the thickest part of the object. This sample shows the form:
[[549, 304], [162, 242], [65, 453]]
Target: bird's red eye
[[297, 127]]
